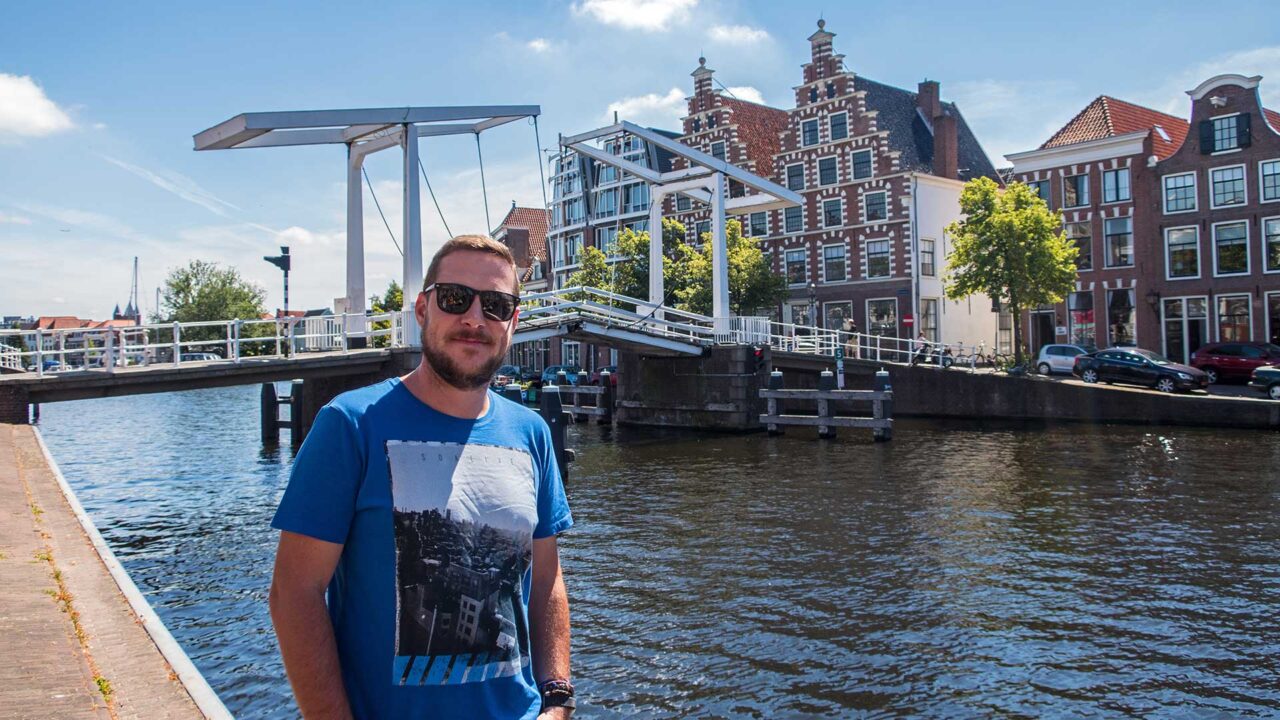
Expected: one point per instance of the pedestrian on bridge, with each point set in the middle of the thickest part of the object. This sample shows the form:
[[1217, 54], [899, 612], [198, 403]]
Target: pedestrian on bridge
[[428, 507]]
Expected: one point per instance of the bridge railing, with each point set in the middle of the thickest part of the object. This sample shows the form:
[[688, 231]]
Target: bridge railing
[[178, 344]]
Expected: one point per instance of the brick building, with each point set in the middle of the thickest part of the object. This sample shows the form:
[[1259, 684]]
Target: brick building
[[524, 230], [1179, 241], [880, 169]]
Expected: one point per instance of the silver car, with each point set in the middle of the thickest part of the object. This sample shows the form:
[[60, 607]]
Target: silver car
[[1058, 358]]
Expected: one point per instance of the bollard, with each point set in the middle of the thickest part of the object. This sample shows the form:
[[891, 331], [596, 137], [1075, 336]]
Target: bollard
[[269, 405], [883, 408], [296, 412], [553, 413], [512, 392], [606, 398], [583, 381], [826, 382], [775, 383]]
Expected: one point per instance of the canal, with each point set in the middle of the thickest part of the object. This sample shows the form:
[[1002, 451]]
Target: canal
[[963, 570]]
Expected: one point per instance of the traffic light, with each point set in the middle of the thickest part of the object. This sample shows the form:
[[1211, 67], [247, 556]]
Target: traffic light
[[758, 357]]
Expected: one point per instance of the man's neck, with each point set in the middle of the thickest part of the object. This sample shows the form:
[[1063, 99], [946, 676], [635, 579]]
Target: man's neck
[[434, 392]]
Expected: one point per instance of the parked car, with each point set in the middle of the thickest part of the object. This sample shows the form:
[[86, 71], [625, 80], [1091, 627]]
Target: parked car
[[199, 357], [1267, 379], [549, 374], [1234, 360], [507, 374], [1058, 358], [1134, 366], [613, 375]]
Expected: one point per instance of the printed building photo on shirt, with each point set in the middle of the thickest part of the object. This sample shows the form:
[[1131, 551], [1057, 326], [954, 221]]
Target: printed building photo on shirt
[[463, 520]]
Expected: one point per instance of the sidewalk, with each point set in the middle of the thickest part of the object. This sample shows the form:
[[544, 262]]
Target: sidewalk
[[70, 644]]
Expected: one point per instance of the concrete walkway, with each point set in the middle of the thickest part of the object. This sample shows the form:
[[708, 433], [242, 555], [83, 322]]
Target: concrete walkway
[[70, 644]]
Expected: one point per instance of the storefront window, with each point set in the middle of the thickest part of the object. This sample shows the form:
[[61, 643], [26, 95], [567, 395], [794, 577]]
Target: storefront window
[[835, 314], [882, 317], [1233, 318], [1273, 318], [1120, 317], [1080, 315]]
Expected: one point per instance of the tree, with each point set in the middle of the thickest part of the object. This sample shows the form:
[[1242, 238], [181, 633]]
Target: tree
[[752, 282], [391, 301], [204, 291], [1011, 247]]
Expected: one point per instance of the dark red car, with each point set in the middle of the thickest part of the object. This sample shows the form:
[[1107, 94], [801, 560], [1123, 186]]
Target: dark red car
[[613, 375], [1234, 361]]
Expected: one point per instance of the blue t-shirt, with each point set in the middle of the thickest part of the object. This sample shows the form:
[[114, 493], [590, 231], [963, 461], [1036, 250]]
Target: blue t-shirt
[[436, 516]]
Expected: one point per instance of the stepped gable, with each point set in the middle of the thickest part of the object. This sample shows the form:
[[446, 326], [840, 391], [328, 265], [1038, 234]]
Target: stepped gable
[[912, 135], [1108, 117]]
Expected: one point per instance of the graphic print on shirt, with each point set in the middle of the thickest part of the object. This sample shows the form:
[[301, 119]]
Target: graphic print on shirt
[[463, 518]]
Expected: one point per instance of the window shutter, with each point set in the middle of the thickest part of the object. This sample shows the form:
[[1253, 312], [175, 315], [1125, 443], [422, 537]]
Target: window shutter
[[1206, 137], [1242, 130]]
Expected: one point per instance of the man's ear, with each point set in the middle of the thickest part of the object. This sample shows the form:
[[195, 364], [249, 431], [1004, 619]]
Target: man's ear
[[420, 309]]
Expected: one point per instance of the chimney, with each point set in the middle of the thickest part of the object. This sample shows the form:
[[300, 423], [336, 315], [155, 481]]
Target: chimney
[[929, 99], [702, 78], [946, 142]]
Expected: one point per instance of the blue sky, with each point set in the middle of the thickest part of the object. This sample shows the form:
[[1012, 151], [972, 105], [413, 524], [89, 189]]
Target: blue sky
[[99, 102]]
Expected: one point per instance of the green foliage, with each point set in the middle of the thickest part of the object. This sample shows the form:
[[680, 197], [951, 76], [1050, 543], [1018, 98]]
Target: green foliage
[[391, 300], [752, 283], [1011, 247], [204, 291]]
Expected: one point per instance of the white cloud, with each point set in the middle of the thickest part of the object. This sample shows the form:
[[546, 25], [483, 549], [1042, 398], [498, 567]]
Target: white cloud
[[737, 34], [179, 185], [646, 15], [746, 92], [1171, 95], [538, 45], [25, 111], [651, 109], [14, 219]]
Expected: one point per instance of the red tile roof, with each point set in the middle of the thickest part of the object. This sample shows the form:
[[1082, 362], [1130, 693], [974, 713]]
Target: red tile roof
[[1273, 118], [758, 129], [535, 221], [1109, 117], [59, 322]]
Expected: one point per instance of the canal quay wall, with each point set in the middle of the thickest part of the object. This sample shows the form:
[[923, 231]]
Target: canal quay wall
[[77, 638]]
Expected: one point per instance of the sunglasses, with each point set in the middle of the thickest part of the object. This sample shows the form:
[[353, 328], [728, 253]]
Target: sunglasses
[[456, 299]]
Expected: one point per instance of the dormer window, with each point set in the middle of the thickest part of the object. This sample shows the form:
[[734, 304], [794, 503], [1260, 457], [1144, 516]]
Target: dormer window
[[1221, 134], [831, 90], [813, 94], [697, 124]]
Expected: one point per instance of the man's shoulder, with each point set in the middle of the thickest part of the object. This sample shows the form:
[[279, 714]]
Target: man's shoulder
[[517, 414], [356, 403]]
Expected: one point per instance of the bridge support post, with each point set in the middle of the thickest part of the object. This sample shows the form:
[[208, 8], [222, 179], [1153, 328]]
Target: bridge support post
[[355, 238], [577, 397], [269, 410], [826, 381], [552, 410], [296, 431], [412, 236], [882, 408], [606, 398], [775, 383]]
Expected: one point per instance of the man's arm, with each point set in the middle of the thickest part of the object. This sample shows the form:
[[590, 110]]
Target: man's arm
[[549, 617], [304, 566]]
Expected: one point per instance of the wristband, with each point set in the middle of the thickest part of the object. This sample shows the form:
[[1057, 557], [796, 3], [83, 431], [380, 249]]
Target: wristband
[[557, 693]]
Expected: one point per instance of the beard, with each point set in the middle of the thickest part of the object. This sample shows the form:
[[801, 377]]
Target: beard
[[448, 370]]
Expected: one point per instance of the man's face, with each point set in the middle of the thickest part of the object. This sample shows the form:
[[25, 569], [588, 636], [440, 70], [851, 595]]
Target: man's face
[[466, 350]]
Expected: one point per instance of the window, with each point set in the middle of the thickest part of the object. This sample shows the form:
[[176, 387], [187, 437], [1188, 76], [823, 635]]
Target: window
[[1182, 253], [827, 174], [635, 198], [833, 264], [882, 317], [606, 202], [878, 258], [796, 267], [927, 267], [875, 204], [1228, 186], [1082, 330], [638, 226], [809, 129], [1231, 248], [793, 219], [607, 240], [795, 177], [758, 224], [1083, 237], [1270, 181], [1224, 133], [683, 203], [1233, 318], [1041, 188], [1271, 244], [1075, 191], [606, 174], [1120, 317], [573, 212], [862, 164], [831, 90], [570, 250], [1180, 193], [835, 314], [929, 318], [570, 353], [1118, 237], [832, 213], [717, 150], [839, 126], [1115, 185]]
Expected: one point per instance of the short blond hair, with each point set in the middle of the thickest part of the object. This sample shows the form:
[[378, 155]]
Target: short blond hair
[[476, 243]]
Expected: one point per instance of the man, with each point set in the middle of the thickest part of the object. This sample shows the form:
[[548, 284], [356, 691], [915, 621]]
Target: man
[[429, 508], [921, 349]]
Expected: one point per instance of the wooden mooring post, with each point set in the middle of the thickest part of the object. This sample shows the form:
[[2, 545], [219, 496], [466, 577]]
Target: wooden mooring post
[[601, 406], [271, 402], [881, 399], [552, 410]]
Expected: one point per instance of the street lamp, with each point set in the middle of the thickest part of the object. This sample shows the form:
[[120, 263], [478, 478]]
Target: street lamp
[[813, 304]]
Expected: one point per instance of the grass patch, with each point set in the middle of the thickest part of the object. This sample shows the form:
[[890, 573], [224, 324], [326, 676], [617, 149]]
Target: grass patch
[[104, 687], [35, 510], [44, 556]]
